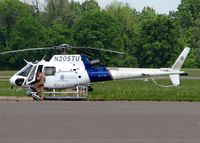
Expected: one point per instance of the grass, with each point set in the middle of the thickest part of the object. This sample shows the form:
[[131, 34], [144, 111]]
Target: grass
[[193, 72], [7, 73], [130, 90], [5, 90], [148, 91]]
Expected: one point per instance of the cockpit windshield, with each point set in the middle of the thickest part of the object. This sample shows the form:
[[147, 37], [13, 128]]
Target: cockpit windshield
[[31, 76], [25, 71]]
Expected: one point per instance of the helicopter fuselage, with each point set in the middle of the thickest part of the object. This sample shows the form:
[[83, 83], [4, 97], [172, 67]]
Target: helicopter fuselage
[[67, 71]]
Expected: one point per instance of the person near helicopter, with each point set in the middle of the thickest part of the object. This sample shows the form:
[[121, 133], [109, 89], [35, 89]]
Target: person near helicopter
[[38, 86]]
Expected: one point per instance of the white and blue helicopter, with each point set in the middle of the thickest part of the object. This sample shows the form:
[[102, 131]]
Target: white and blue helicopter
[[70, 71]]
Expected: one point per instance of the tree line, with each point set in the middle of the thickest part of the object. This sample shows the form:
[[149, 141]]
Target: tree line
[[149, 39]]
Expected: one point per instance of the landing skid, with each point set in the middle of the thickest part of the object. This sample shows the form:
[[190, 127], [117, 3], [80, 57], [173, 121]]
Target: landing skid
[[64, 98], [79, 94], [59, 98], [35, 96]]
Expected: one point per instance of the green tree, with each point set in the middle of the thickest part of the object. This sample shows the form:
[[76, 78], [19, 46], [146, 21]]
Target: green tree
[[101, 30], [9, 12], [19, 29], [188, 12], [128, 20], [62, 11], [90, 5], [58, 34], [188, 17], [158, 40]]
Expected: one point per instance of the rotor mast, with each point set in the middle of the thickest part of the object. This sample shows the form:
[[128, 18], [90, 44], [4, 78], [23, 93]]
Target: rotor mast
[[63, 47]]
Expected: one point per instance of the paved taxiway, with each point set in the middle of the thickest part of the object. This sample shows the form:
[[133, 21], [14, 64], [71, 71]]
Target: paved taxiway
[[99, 122]]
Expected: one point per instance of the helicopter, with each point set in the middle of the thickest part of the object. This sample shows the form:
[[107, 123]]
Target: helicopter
[[70, 71]]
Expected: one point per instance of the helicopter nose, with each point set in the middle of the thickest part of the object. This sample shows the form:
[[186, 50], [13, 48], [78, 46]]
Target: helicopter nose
[[16, 80], [12, 80]]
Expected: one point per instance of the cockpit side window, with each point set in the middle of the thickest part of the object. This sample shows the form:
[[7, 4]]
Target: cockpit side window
[[25, 71], [49, 71], [39, 68]]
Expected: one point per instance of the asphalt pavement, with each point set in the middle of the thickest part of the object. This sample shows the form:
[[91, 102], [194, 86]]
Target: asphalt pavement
[[99, 122]]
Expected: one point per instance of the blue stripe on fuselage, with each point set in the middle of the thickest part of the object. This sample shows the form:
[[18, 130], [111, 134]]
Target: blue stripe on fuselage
[[96, 73], [99, 74]]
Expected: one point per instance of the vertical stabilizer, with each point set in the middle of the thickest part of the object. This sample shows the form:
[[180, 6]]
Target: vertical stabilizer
[[175, 79], [179, 62]]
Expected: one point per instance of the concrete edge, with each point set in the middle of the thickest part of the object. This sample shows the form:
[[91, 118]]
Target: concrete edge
[[15, 98]]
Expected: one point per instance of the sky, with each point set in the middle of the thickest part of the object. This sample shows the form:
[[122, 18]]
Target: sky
[[160, 6]]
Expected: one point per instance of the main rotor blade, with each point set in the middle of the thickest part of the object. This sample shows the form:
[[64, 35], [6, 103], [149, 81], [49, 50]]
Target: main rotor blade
[[24, 50], [99, 49], [62, 47]]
